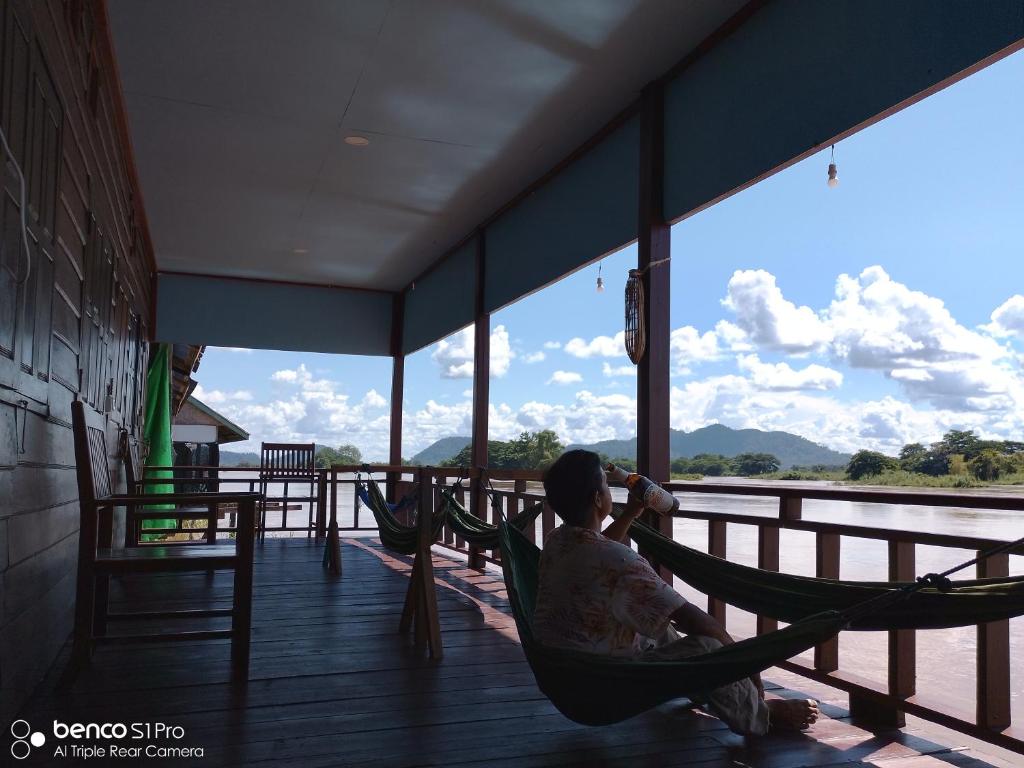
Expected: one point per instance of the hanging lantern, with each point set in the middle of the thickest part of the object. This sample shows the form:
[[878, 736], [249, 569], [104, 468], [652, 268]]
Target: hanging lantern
[[636, 334]]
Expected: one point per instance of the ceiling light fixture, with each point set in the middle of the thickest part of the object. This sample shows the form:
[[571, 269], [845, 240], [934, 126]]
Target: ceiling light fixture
[[833, 172], [357, 141], [299, 251], [600, 280]]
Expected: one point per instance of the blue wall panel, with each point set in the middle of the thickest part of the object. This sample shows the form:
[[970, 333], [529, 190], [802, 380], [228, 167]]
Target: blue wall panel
[[244, 313], [800, 72], [443, 300], [584, 212]]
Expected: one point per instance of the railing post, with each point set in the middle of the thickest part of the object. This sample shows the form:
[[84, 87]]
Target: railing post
[[334, 493], [516, 505], [993, 700], [826, 654], [717, 547], [767, 560]]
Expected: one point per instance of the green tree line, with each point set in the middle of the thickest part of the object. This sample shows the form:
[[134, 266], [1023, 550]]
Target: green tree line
[[958, 453]]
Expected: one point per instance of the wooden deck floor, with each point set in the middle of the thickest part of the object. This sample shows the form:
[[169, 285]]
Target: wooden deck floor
[[334, 684]]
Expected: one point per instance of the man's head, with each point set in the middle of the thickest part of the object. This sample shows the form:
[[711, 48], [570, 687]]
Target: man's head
[[576, 487]]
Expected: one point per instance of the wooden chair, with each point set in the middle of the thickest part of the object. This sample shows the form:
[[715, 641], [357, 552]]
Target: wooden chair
[[136, 482], [97, 560], [288, 463]]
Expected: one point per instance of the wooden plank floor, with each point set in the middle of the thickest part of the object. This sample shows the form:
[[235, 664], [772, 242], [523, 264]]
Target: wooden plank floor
[[334, 684]]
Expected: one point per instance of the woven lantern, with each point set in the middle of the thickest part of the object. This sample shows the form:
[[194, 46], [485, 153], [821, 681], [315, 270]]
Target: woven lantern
[[636, 334]]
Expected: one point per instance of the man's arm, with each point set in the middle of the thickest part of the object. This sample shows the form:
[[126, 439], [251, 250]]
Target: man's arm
[[618, 530], [693, 621]]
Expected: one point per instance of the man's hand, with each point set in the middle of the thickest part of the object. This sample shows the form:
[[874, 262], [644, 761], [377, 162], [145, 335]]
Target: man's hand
[[633, 506]]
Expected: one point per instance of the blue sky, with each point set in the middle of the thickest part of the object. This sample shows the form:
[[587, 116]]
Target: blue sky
[[884, 311]]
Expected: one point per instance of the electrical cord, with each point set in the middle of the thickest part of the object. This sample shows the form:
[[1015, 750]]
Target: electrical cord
[[24, 229]]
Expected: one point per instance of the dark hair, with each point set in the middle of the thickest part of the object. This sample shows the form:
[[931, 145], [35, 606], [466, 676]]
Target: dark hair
[[570, 484]]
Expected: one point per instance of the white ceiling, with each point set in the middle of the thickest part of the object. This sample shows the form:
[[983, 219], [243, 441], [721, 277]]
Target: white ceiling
[[238, 110]]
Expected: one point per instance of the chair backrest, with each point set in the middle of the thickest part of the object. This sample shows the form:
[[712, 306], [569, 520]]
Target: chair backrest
[[287, 460], [90, 456]]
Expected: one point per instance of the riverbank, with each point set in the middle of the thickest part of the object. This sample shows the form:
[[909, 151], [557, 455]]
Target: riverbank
[[892, 479]]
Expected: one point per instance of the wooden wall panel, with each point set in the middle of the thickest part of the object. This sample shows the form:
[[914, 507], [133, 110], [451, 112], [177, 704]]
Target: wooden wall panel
[[78, 327]]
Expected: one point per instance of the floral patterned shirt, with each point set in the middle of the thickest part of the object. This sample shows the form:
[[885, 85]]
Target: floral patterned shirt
[[599, 595]]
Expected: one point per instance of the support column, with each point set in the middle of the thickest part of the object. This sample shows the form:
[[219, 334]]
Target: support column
[[397, 391], [653, 246], [481, 393]]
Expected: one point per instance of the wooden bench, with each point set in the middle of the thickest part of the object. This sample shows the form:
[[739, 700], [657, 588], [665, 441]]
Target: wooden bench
[[98, 559]]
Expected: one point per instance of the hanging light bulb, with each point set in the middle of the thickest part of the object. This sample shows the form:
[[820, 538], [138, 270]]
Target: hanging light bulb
[[833, 171], [600, 280]]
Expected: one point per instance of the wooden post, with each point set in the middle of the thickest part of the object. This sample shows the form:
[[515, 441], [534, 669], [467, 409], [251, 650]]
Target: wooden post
[[653, 251], [717, 547], [420, 609], [397, 391], [515, 505], [767, 560], [481, 392], [826, 654], [902, 654], [241, 613], [993, 705]]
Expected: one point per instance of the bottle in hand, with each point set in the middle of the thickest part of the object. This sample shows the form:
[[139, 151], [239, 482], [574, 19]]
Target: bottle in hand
[[650, 493]]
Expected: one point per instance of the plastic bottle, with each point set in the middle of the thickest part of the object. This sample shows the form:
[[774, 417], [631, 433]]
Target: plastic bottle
[[650, 493]]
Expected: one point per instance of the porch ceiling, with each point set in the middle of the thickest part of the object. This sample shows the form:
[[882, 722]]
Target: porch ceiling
[[238, 112]]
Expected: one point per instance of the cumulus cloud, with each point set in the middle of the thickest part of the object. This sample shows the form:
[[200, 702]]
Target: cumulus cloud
[[688, 347], [565, 377], [600, 346], [552, 345], [533, 357], [780, 377], [618, 370], [454, 355], [769, 319], [219, 397], [1008, 318], [879, 323]]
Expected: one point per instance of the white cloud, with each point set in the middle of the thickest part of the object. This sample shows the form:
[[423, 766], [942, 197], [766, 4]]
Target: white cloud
[[373, 399], [454, 355], [769, 319], [1008, 318], [533, 357], [239, 350], [781, 377], [565, 377], [218, 397], [687, 346], [882, 324], [620, 370], [286, 375], [601, 346], [552, 345]]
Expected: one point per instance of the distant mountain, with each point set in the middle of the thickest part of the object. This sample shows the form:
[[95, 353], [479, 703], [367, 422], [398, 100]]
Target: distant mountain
[[235, 458], [789, 449], [440, 451]]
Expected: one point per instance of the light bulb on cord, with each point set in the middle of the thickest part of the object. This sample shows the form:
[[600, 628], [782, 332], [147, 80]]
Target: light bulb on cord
[[833, 171], [600, 280]]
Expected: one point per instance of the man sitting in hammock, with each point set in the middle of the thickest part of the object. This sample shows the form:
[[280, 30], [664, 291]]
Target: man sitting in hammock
[[596, 594]]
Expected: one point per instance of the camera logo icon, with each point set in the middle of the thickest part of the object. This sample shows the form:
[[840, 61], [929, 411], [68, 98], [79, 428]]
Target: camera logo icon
[[24, 739]]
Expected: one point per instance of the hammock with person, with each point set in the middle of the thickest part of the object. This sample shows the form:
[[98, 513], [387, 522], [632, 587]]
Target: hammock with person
[[595, 689]]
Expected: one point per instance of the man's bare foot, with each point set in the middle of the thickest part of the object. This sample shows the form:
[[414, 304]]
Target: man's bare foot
[[792, 714]]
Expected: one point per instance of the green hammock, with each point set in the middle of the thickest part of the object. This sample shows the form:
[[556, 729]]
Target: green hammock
[[477, 532], [394, 535], [791, 598], [599, 690]]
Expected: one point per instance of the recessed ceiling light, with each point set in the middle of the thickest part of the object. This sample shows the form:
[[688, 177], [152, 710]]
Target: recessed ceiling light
[[299, 251], [357, 141]]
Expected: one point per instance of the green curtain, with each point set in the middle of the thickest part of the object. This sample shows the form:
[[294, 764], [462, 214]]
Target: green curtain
[[157, 430]]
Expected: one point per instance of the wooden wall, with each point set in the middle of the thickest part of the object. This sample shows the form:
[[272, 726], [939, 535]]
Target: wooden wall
[[75, 324]]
